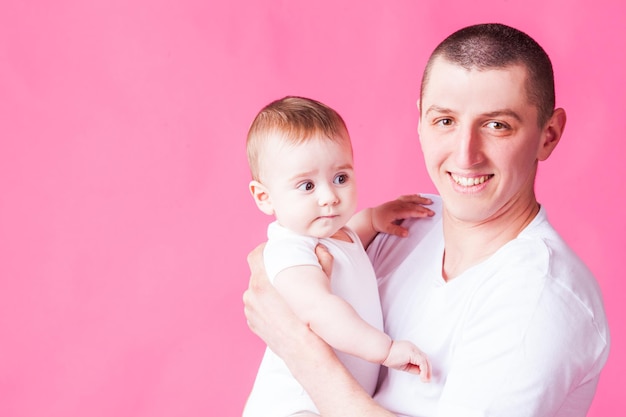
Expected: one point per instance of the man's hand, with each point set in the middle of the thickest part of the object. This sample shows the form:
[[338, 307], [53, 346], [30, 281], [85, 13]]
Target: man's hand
[[325, 259], [267, 313]]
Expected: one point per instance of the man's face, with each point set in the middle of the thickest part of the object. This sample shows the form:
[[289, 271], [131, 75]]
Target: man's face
[[480, 139]]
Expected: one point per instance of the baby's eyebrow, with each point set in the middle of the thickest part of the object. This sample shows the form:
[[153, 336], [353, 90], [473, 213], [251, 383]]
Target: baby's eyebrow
[[345, 166], [303, 175]]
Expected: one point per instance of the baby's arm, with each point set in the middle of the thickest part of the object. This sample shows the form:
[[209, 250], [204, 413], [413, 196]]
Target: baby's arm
[[387, 217], [307, 291]]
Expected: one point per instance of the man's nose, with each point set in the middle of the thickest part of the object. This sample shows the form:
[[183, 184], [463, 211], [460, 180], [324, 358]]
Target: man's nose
[[468, 147]]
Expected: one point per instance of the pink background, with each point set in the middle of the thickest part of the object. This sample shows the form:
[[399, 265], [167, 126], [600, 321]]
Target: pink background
[[124, 212]]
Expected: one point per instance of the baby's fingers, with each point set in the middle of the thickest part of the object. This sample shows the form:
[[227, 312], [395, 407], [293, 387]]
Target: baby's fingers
[[415, 199], [424, 366]]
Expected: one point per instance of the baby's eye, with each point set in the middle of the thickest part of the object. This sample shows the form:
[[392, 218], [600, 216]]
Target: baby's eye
[[340, 179], [306, 186]]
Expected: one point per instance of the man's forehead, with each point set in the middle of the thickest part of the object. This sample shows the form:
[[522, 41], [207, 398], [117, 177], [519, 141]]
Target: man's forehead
[[442, 66], [474, 66], [451, 83]]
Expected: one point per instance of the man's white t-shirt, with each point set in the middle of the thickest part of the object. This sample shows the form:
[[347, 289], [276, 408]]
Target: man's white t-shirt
[[523, 333], [276, 393]]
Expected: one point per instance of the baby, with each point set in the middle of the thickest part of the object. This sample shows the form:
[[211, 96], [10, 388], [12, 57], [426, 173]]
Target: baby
[[300, 156]]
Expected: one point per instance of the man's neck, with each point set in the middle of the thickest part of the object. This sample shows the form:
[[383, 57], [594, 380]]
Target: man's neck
[[468, 244]]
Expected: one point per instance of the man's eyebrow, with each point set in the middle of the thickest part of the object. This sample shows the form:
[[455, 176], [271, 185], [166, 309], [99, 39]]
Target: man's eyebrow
[[495, 113], [504, 112], [438, 109]]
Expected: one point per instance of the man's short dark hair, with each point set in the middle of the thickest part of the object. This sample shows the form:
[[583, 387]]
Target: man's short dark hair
[[496, 46]]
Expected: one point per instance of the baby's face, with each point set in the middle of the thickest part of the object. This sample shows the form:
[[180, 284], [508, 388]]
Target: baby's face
[[311, 186]]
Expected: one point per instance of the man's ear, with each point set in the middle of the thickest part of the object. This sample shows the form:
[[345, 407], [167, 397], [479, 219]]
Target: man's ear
[[419, 116], [261, 197], [551, 134]]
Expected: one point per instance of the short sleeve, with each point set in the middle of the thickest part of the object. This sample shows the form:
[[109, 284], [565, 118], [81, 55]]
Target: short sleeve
[[527, 346], [289, 251]]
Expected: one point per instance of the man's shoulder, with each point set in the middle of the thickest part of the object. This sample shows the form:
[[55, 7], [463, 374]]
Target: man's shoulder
[[568, 291], [539, 252], [541, 243], [550, 295]]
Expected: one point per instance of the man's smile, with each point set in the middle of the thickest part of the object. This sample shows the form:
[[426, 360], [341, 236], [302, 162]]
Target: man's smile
[[469, 181]]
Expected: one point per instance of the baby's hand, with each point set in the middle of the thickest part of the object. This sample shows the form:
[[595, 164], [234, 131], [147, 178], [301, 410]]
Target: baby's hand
[[405, 356], [387, 217]]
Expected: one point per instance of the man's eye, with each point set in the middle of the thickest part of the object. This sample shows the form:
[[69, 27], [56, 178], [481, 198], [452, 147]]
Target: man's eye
[[340, 179], [497, 125], [306, 186], [444, 122]]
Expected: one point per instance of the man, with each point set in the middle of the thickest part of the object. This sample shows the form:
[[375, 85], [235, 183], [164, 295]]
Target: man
[[510, 317]]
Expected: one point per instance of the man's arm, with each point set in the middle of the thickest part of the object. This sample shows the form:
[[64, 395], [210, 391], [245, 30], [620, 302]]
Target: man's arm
[[387, 217], [312, 362]]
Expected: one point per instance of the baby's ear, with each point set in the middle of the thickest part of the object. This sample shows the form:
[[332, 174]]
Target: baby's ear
[[261, 197]]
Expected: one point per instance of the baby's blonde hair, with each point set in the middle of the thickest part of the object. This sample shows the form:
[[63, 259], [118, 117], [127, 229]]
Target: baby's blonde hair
[[295, 120]]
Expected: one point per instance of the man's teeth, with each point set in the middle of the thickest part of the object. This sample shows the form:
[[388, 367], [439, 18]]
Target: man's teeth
[[468, 182]]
